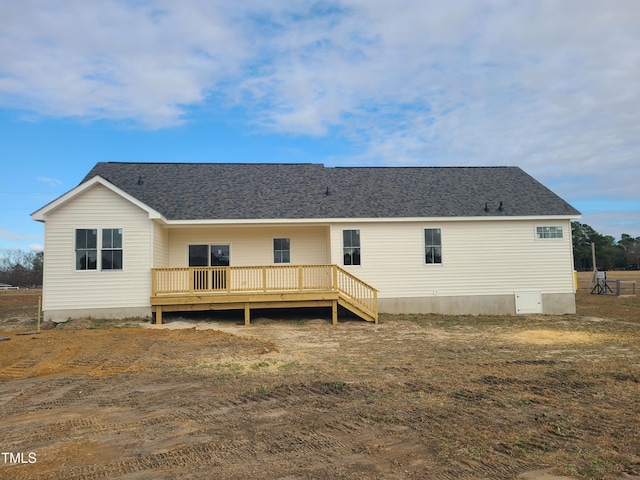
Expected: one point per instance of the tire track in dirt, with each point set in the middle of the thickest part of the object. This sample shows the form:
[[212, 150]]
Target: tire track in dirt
[[266, 441], [27, 436], [32, 395], [78, 360], [283, 397], [69, 394], [198, 454], [342, 436], [20, 369], [19, 360]]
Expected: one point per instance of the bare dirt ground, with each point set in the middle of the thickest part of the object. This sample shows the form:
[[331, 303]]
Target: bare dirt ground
[[294, 397]]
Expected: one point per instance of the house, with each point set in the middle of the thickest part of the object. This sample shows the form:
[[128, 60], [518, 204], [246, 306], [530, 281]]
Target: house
[[134, 239]]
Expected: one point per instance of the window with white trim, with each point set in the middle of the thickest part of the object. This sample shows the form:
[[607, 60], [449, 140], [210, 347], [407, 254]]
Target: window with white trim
[[111, 253], [351, 247], [86, 249], [281, 250], [106, 241], [432, 246], [545, 232]]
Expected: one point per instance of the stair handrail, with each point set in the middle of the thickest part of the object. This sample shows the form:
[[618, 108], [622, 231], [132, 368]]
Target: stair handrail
[[371, 306]]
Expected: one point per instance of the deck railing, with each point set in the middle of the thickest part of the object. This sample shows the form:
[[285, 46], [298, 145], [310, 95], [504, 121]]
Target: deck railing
[[265, 279]]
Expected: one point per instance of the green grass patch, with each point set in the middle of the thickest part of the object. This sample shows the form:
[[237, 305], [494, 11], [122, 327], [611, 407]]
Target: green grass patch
[[290, 365], [257, 366]]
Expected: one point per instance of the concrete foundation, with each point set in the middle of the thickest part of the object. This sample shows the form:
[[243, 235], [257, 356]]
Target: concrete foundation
[[552, 304], [59, 316], [558, 303]]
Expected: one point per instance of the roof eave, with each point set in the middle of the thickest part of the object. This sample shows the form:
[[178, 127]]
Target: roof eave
[[271, 221]]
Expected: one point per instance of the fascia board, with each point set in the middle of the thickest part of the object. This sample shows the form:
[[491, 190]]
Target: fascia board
[[324, 221]]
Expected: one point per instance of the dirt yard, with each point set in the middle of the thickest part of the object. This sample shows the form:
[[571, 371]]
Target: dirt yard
[[294, 397]]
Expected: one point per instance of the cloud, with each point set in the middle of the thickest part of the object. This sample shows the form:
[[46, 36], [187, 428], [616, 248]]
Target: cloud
[[11, 235], [614, 223], [54, 182], [549, 86], [118, 60], [14, 237], [12, 240], [36, 247]]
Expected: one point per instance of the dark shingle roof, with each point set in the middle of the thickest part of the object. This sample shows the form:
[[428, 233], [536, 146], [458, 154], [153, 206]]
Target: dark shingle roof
[[193, 191]]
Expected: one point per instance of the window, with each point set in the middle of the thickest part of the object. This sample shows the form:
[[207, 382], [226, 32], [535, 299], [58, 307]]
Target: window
[[111, 253], [548, 232], [351, 247], [107, 240], [219, 255], [208, 255], [86, 249], [198, 255], [432, 245], [281, 250]]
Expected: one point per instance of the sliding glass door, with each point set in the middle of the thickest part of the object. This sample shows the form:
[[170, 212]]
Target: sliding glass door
[[209, 255]]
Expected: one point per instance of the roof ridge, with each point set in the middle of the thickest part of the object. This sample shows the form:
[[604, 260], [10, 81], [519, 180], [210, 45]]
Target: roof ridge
[[209, 163], [429, 166]]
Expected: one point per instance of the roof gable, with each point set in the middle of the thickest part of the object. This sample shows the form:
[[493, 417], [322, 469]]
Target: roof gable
[[41, 214], [218, 191]]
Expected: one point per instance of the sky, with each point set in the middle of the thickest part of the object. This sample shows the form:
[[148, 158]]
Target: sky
[[551, 86]]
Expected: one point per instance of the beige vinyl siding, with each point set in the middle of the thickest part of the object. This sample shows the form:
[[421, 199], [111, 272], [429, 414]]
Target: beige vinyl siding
[[478, 258], [160, 246], [68, 289], [252, 245]]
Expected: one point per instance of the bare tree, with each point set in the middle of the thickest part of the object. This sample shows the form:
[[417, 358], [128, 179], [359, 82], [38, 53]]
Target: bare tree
[[21, 269]]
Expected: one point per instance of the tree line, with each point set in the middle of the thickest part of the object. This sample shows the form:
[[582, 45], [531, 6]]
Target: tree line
[[21, 269], [623, 254], [24, 269]]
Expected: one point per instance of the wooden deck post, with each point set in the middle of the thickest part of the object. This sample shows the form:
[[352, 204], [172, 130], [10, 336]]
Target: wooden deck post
[[247, 314], [375, 304], [158, 315], [264, 279], [300, 277], [334, 312]]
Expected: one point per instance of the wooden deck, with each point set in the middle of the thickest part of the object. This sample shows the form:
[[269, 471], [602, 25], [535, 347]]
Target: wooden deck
[[246, 288]]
